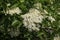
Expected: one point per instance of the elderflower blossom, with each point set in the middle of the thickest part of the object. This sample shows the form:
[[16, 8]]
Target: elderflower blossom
[[14, 32], [51, 18], [8, 4], [31, 18], [57, 38], [38, 5], [13, 11]]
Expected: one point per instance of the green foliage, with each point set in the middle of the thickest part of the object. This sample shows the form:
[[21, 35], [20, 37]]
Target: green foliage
[[8, 21]]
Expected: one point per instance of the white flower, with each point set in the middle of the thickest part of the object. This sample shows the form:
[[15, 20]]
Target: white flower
[[32, 10], [59, 13], [57, 38], [13, 11], [51, 18], [8, 4], [38, 5], [14, 32], [34, 16], [51, 1]]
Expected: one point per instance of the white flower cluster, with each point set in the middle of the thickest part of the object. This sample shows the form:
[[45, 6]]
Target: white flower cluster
[[57, 38], [39, 6], [13, 11], [14, 32], [32, 17], [51, 18]]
